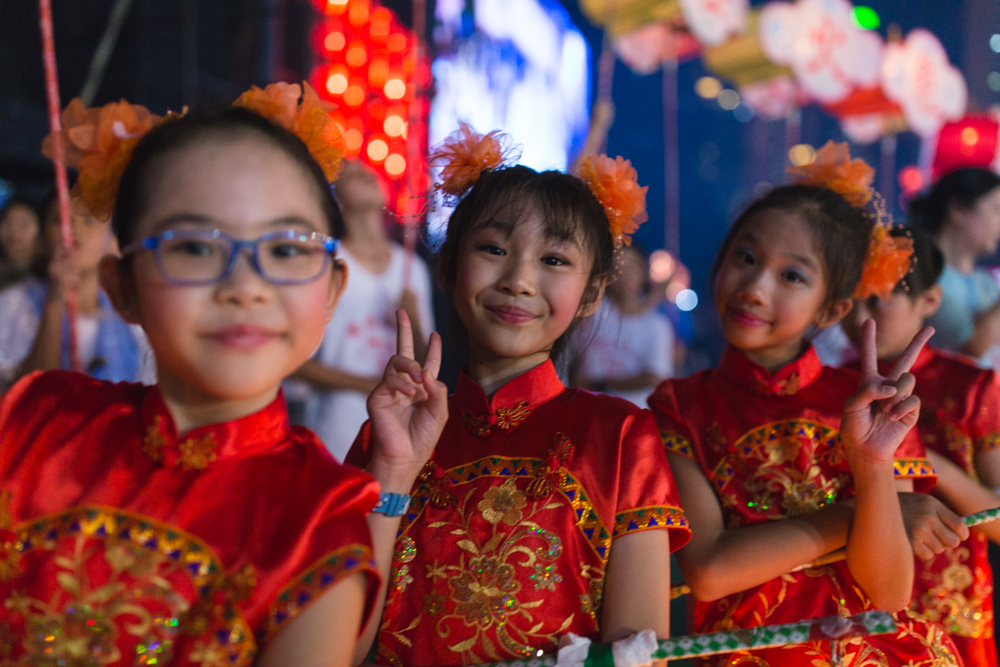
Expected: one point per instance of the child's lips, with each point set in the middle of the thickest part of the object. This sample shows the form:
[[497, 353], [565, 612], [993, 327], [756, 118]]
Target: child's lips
[[243, 336], [746, 318], [511, 314]]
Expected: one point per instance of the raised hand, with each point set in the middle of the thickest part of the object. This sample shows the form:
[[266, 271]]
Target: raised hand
[[879, 415], [408, 410]]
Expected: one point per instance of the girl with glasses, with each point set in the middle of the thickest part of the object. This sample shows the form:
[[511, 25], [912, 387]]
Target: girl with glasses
[[188, 523]]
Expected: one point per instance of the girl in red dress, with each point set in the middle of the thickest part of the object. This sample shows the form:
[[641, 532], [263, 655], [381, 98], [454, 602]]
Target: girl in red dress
[[188, 523], [544, 510], [767, 447], [960, 428]]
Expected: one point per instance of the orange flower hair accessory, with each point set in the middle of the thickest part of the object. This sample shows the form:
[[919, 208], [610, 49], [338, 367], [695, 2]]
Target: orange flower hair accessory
[[307, 119], [98, 143], [887, 262], [466, 154], [615, 183], [835, 170]]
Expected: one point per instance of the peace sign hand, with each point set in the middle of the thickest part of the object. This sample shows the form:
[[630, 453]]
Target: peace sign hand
[[879, 415], [408, 410]]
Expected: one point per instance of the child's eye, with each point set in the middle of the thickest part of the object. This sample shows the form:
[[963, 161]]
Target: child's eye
[[555, 260], [191, 247], [795, 277], [744, 256], [492, 249]]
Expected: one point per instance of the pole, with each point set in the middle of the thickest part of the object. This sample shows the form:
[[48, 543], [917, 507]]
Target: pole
[[671, 161], [412, 212], [59, 161]]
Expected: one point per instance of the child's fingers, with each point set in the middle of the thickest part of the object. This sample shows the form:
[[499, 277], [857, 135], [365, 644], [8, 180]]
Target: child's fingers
[[868, 393], [955, 524], [397, 383], [399, 364], [907, 408], [433, 363], [921, 551], [904, 389], [869, 353], [909, 356], [437, 397], [404, 334]]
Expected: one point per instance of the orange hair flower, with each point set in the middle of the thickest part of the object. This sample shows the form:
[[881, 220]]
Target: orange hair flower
[[835, 170], [466, 154], [309, 120], [615, 183], [887, 262], [98, 143]]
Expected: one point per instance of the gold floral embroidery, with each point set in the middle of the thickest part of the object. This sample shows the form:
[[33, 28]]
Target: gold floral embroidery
[[506, 418], [947, 602], [193, 453], [786, 387], [590, 602], [437, 484], [154, 443], [549, 477], [406, 551], [484, 587], [988, 442], [503, 503], [196, 454], [81, 621], [10, 556]]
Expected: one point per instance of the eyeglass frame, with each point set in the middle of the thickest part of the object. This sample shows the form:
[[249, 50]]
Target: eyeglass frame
[[152, 243]]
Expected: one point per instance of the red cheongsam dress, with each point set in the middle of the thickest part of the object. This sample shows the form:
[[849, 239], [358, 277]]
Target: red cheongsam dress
[[124, 544], [506, 541], [770, 447], [959, 417]]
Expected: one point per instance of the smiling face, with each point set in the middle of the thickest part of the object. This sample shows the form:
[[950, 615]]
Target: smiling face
[[898, 319], [771, 288], [517, 289], [237, 339]]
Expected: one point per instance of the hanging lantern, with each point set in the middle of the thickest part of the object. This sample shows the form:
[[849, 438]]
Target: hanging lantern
[[620, 17], [916, 74], [715, 21], [644, 33], [866, 115], [819, 40], [973, 141]]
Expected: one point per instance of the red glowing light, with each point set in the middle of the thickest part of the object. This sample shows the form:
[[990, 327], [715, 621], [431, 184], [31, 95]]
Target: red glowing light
[[910, 179]]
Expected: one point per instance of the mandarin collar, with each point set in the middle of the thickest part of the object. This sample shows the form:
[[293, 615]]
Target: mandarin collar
[[201, 446], [786, 381], [511, 403]]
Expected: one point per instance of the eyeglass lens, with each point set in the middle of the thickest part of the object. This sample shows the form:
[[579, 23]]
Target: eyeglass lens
[[200, 259]]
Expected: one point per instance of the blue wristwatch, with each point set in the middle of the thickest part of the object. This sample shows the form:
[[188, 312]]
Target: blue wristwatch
[[392, 504]]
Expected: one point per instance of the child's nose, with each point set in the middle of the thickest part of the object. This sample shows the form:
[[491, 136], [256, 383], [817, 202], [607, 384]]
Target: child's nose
[[244, 285], [519, 277]]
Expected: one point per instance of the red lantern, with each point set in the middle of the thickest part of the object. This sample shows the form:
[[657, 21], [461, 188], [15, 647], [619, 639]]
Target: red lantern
[[973, 141]]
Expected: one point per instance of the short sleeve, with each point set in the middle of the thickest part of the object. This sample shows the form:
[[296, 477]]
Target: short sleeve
[[675, 435], [321, 540], [984, 422], [911, 462], [650, 500]]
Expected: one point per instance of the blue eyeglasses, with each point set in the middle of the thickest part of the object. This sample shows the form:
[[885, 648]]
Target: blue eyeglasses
[[196, 257]]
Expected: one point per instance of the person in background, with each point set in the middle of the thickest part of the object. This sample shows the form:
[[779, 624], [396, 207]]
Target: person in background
[[627, 347], [959, 426], [962, 212], [33, 323], [361, 337], [21, 249]]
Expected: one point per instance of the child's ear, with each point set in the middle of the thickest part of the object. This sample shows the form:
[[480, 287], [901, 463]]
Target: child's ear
[[929, 301], [589, 308], [832, 313], [116, 281], [338, 283]]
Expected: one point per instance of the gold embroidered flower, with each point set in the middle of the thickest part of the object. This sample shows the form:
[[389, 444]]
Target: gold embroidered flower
[[484, 592], [503, 503], [508, 418], [545, 576], [957, 577], [401, 577], [197, 453], [433, 603]]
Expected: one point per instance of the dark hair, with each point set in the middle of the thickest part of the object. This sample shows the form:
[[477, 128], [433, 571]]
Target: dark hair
[[191, 129], [927, 265], [840, 232], [962, 188], [570, 210]]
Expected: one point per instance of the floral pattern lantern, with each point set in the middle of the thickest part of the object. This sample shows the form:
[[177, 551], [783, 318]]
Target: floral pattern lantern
[[916, 74], [819, 40], [715, 21]]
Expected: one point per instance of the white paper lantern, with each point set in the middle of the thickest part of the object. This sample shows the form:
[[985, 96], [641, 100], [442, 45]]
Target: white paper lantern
[[916, 75], [829, 54], [715, 21]]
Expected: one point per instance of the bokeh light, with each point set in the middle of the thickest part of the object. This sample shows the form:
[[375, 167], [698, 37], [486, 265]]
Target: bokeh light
[[687, 300], [708, 87], [728, 99], [377, 150], [661, 266], [395, 164], [802, 154]]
